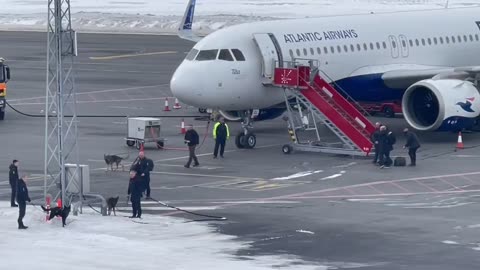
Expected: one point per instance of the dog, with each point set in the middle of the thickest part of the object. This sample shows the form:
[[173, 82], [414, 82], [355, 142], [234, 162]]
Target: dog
[[111, 204], [58, 212], [113, 159]]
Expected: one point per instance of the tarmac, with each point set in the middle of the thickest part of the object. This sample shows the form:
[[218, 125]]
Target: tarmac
[[338, 211]]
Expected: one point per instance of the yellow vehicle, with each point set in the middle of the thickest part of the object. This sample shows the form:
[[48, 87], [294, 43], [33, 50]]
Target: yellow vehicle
[[4, 77]]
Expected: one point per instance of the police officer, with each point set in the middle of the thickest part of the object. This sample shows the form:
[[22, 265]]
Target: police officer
[[22, 199], [135, 189], [143, 167], [412, 144], [13, 179], [375, 141], [221, 134], [192, 140]]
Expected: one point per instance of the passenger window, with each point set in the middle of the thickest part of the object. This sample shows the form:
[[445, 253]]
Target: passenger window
[[394, 44], [352, 48], [238, 55], [453, 39], [191, 55], [459, 39], [332, 49], [291, 54], [325, 50], [476, 37], [378, 46], [429, 41], [371, 46], [411, 43], [305, 52], [359, 48], [417, 42], [225, 55], [319, 51], [423, 42], [441, 40], [384, 45], [404, 44], [435, 41], [471, 38], [339, 49], [465, 38], [206, 55], [298, 52], [365, 46], [312, 51], [447, 39], [345, 48]]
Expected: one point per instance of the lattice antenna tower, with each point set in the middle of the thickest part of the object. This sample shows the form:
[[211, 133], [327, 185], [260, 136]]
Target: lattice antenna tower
[[60, 108]]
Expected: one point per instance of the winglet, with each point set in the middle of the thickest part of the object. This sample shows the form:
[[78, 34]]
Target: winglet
[[185, 28]]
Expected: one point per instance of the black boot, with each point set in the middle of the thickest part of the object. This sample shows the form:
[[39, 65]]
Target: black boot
[[21, 226]]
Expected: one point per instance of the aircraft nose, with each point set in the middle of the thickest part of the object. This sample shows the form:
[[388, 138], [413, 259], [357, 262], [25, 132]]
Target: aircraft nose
[[181, 86]]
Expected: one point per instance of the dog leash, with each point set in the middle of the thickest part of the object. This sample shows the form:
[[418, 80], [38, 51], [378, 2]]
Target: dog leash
[[211, 217]]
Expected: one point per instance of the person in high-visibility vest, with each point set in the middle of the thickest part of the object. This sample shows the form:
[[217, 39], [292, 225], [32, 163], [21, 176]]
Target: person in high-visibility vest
[[221, 134]]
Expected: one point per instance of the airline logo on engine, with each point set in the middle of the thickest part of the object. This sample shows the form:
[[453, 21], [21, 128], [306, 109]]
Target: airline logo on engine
[[467, 106]]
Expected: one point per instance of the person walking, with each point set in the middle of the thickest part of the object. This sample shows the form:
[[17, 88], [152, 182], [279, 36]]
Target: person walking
[[412, 144], [374, 138], [192, 140], [135, 190], [221, 134], [143, 167], [389, 141], [22, 199], [13, 179]]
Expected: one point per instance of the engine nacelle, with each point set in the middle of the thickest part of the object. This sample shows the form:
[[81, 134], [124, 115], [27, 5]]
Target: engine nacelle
[[442, 105], [264, 114]]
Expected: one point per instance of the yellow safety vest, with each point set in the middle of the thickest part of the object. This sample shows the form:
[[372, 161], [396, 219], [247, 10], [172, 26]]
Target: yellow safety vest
[[215, 130]]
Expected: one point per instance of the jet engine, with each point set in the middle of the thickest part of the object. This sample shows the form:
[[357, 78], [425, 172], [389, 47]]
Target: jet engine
[[441, 105]]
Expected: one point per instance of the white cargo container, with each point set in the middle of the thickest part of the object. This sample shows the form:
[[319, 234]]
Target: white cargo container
[[142, 130]]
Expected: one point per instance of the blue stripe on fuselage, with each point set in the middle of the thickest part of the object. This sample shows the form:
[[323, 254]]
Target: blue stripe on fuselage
[[369, 88]]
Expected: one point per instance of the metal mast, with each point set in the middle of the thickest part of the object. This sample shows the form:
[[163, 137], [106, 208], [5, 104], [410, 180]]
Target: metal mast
[[60, 107]]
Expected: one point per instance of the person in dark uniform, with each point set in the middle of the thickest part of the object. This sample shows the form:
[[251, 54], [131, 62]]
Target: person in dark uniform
[[221, 134], [144, 166], [412, 144], [22, 199], [375, 142], [388, 141], [192, 140], [135, 189], [13, 179]]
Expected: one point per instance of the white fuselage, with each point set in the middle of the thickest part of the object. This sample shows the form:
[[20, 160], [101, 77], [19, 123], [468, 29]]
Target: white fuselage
[[346, 47]]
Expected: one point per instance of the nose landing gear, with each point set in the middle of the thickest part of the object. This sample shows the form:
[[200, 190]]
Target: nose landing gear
[[246, 138]]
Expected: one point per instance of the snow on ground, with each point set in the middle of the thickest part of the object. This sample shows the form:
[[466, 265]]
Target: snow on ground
[[163, 16], [93, 242]]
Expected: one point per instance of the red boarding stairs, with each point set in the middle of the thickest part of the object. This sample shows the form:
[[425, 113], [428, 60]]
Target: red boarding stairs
[[347, 122]]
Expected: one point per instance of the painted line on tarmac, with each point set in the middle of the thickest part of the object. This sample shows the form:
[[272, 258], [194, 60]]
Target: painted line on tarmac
[[204, 175], [163, 208], [112, 57], [97, 101]]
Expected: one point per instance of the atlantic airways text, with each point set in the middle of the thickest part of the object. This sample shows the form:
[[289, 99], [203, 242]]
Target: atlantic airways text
[[319, 36]]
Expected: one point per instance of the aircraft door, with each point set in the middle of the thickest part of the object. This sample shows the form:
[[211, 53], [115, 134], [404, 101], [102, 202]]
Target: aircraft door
[[270, 51], [394, 46], [403, 45]]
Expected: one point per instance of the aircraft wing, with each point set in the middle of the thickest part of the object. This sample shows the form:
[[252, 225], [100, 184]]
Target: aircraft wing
[[404, 78], [185, 27]]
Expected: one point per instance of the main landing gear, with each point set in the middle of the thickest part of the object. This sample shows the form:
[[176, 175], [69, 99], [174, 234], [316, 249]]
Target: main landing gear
[[246, 138]]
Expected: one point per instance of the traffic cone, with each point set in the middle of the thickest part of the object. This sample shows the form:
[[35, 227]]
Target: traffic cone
[[59, 203], [167, 109], [182, 129], [460, 141], [177, 104]]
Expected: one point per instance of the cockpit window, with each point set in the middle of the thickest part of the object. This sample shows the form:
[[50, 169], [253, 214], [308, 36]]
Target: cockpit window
[[207, 55], [225, 55], [238, 55], [191, 55]]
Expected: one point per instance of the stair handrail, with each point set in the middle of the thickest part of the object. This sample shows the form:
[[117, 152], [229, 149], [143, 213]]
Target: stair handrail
[[342, 91]]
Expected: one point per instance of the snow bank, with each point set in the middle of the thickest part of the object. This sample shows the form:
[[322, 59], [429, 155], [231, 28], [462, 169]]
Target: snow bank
[[163, 16], [93, 242]]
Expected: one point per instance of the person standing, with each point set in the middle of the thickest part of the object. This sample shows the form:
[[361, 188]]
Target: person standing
[[192, 140], [389, 141], [412, 144], [13, 179], [143, 168], [375, 141], [135, 189], [221, 134], [22, 199]]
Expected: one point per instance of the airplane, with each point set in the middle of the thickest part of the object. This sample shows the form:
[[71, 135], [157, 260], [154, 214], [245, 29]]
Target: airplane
[[427, 59]]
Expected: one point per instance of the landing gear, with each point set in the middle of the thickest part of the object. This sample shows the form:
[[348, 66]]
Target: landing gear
[[246, 138]]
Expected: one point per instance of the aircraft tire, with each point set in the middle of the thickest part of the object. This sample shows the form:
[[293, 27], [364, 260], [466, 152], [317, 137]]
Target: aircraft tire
[[251, 141], [240, 140]]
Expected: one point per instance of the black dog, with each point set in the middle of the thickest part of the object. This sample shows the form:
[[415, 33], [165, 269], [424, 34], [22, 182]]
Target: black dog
[[111, 204], [113, 159], [58, 212]]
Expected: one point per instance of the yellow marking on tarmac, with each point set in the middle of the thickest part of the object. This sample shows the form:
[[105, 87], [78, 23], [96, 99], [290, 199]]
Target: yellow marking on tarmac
[[129, 55]]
